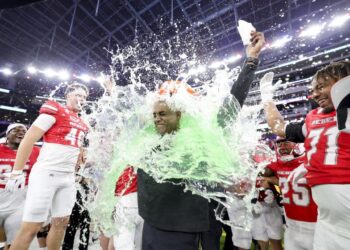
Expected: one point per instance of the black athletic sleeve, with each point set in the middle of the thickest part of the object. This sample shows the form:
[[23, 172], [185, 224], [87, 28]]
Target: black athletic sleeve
[[294, 132], [241, 87], [239, 90]]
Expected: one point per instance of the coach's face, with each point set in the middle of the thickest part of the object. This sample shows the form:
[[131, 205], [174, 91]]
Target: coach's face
[[165, 119], [321, 93]]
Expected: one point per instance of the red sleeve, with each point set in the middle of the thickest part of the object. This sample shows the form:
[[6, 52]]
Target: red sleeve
[[50, 108], [35, 152], [127, 182]]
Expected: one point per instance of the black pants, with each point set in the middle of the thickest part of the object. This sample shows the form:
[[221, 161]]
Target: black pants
[[156, 239], [79, 219], [210, 240]]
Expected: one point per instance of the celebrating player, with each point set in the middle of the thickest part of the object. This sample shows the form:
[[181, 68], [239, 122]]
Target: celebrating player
[[328, 156], [51, 183], [11, 205], [300, 209]]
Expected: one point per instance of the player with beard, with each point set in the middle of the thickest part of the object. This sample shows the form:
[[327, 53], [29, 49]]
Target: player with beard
[[11, 205], [52, 181], [300, 208], [328, 154]]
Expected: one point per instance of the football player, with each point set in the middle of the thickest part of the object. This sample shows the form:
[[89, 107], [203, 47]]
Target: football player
[[128, 221], [328, 157], [267, 224], [11, 205], [300, 209], [52, 181]]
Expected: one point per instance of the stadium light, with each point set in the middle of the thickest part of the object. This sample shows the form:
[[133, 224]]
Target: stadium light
[[233, 58], [101, 78], [13, 109], [49, 72], [63, 75], [85, 77], [312, 31], [339, 21], [6, 71], [279, 43], [4, 90], [32, 70]]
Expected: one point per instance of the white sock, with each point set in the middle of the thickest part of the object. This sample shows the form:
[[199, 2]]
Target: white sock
[[43, 248]]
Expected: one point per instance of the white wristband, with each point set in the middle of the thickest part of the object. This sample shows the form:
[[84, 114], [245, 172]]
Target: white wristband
[[17, 171]]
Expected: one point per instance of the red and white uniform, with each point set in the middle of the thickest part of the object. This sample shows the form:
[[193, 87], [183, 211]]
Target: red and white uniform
[[297, 200], [328, 150], [300, 208], [128, 221], [11, 204], [52, 181], [328, 155], [127, 182], [62, 141], [7, 160], [268, 224]]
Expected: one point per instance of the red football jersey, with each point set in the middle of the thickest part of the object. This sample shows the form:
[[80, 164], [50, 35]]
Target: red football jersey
[[327, 149], [127, 182], [69, 129], [7, 160], [297, 199]]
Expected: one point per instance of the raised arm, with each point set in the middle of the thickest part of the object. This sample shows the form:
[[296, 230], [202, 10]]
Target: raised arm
[[294, 132], [241, 87], [274, 119]]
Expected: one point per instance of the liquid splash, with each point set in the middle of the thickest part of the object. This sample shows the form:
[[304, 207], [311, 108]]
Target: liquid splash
[[211, 153]]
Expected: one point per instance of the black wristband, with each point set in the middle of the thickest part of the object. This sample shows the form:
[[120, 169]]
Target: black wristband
[[252, 60]]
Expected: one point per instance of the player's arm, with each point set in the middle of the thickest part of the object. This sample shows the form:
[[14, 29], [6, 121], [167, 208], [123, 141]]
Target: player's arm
[[340, 94], [42, 124], [25, 148], [241, 87], [274, 119], [294, 132]]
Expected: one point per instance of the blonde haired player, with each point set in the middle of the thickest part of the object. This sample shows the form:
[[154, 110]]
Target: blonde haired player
[[51, 183]]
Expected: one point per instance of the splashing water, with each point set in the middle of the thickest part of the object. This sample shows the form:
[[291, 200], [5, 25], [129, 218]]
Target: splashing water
[[211, 152]]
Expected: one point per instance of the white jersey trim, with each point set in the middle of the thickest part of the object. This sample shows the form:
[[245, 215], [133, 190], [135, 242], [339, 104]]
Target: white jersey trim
[[50, 107], [44, 121], [304, 130]]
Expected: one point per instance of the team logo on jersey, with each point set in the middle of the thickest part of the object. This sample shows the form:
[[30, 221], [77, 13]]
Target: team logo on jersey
[[323, 121]]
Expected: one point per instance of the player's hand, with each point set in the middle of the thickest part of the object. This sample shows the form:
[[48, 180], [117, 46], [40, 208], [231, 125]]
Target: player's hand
[[266, 88], [270, 197], [297, 175], [257, 208], [107, 84], [15, 182], [267, 181], [257, 42]]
